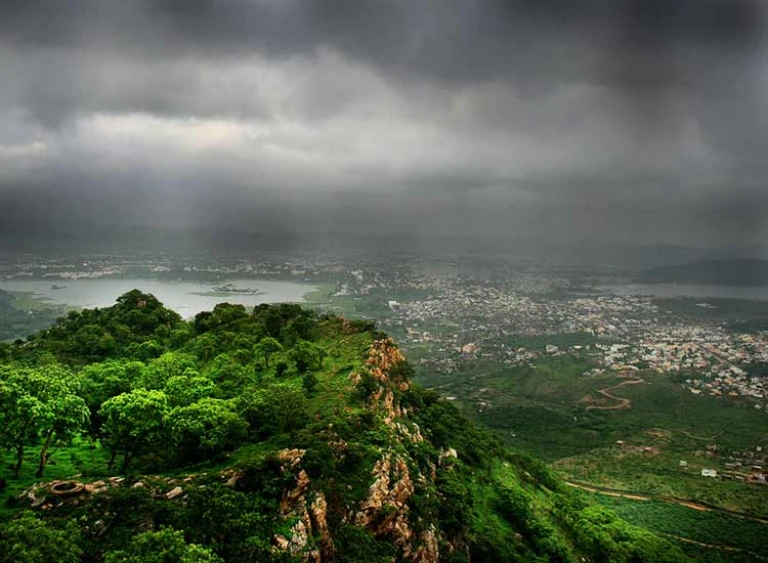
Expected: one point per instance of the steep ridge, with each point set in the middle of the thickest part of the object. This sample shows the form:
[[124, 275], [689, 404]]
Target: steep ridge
[[320, 450]]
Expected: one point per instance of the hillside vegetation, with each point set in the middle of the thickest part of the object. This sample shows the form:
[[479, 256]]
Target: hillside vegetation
[[273, 435]]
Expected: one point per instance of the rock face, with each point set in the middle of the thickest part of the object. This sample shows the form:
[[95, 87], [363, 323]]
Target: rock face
[[384, 511], [427, 551], [311, 517], [382, 357], [384, 508]]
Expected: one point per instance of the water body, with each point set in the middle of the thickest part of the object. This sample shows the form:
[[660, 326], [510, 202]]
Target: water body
[[186, 298], [672, 290]]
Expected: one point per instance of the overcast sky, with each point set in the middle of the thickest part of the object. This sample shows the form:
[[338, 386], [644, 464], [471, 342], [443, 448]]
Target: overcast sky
[[626, 120]]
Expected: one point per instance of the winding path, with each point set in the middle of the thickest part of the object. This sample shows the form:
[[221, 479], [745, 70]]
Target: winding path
[[623, 403]]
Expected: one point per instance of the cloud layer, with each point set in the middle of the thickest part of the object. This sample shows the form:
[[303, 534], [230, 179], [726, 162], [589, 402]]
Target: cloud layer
[[627, 120]]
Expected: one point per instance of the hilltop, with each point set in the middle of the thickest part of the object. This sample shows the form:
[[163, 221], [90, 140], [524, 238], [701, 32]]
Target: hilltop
[[272, 435]]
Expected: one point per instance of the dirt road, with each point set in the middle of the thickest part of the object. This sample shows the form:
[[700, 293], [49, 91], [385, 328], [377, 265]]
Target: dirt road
[[663, 498], [622, 403]]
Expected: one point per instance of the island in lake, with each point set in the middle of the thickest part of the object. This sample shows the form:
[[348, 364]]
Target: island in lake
[[230, 288]]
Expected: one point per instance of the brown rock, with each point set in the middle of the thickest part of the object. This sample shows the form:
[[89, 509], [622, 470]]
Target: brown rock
[[234, 478], [291, 456], [318, 514], [281, 542], [428, 550], [173, 493]]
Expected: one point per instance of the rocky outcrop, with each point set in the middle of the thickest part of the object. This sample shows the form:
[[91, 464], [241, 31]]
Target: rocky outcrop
[[310, 518], [174, 492], [380, 365], [385, 509], [318, 512], [61, 493], [383, 356], [427, 551], [292, 456], [67, 492]]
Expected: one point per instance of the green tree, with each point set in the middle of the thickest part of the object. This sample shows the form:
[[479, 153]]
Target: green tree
[[239, 526], [274, 409], [99, 382], [39, 403], [21, 414], [228, 374], [68, 415], [163, 546], [307, 356], [181, 335], [5, 352], [266, 347], [205, 428], [271, 318], [137, 325], [133, 422], [170, 364], [207, 346], [30, 540], [146, 350], [309, 381], [183, 390]]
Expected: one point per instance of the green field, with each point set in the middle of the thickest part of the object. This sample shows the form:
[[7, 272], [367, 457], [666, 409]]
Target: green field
[[719, 536], [542, 409]]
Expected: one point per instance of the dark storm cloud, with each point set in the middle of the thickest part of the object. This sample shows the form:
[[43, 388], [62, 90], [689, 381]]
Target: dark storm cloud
[[542, 117]]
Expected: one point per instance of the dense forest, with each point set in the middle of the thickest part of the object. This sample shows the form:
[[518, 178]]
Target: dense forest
[[276, 434]]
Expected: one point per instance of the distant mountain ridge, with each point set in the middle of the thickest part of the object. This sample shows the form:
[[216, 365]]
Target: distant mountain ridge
[[743, 272]]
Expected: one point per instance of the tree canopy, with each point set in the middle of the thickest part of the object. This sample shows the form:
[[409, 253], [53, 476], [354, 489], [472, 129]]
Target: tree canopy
[[39, 403], [133, 423]]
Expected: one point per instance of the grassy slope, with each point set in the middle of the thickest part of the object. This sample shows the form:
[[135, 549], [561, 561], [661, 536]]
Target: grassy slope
[[740, 538], [537, 409]]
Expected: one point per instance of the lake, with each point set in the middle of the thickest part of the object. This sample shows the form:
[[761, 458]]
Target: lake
[[185, 297], [672, 290]]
